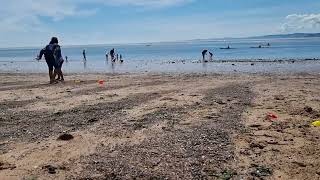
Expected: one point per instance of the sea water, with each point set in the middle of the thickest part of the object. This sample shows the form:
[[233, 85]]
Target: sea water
[[176, 56]]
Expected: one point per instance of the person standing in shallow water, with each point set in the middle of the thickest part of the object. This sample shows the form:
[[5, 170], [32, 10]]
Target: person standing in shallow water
[[121, 58], [84, 55], [107, 56], [52, 54], [112, 55], [210, 56]]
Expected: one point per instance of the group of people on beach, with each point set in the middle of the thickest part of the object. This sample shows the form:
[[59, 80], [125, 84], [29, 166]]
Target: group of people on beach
[[205, 52], [113, 56], [54, 59]]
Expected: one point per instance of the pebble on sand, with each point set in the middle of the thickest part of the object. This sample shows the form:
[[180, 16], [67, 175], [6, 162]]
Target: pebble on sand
[[65, 137]]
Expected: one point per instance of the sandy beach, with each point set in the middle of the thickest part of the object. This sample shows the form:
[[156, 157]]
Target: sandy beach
[[160, 126]]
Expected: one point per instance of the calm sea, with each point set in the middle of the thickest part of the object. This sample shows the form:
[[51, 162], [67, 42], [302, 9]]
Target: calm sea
[[159, 56]]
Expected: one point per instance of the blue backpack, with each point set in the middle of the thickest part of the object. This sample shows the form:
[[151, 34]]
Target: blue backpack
[[53, 53]]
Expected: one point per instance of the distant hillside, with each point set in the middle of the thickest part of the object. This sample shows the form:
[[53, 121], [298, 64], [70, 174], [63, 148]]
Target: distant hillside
[[295, 35]]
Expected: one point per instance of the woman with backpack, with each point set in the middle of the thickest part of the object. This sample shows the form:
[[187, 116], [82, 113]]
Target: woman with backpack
[[52, 54]]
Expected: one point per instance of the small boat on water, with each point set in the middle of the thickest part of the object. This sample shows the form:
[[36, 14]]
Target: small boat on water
[[262, 46], [228, 47]]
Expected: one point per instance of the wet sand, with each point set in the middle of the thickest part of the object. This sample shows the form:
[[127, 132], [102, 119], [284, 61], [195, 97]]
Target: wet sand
[[160, 126], [279, 66]]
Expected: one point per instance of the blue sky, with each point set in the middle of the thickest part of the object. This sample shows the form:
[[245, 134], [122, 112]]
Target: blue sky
[[33, 22]]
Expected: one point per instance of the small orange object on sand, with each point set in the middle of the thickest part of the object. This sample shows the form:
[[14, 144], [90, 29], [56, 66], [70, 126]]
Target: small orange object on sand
[[101, 82], [272, 116]]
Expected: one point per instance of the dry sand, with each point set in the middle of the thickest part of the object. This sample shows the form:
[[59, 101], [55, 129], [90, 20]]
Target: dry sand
[[160, 126]]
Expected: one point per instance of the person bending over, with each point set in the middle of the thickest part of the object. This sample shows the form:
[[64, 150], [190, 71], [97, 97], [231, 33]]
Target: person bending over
[[204, 53]]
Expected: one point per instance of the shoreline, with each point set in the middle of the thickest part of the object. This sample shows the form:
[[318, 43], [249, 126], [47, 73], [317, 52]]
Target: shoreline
[[173, 66], [262, 60]]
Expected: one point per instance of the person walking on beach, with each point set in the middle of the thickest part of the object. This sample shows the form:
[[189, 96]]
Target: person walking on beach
[[84, 55], [204, 53], [52, 54], [112, 55]]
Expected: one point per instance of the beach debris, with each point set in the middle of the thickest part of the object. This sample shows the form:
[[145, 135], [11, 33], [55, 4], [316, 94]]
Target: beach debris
[[259, 145], [273, 142], [301, 164], [271, 116], [39, 97], [4, 166], [255, 125], [92, 120], [101, 82], [59, 113], [308, 109], [51, 169], [261, 171], [316, 123], [77, 81], [279, 97], [65, 137], [219, 101], [111, 95], [245, 152], [310, 112], [252, 64], [225, 175]]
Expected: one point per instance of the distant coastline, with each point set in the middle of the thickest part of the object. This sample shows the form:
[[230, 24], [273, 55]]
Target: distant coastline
[[275, 36], [294, 35]]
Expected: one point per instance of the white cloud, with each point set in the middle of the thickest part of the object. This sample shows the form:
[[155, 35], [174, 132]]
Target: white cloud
[[22, 21], [23, 15], [302, 22]]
